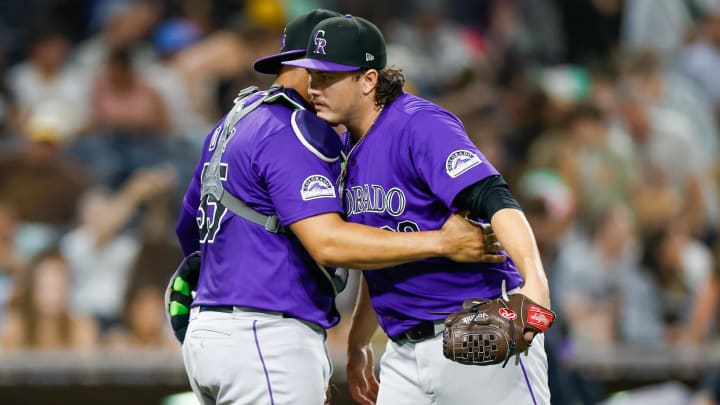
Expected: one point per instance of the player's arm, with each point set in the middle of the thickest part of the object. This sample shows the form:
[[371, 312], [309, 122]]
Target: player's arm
[[363, 323], [186, 227], [333, 242], [315, 219], [362, 383], [490, 198]]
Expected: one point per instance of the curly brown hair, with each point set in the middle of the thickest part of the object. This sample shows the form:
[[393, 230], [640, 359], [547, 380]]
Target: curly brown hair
[[390, 84]]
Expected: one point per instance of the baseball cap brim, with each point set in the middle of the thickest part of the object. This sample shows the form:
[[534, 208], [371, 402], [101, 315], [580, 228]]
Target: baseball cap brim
[[272, 64], [321, 65]]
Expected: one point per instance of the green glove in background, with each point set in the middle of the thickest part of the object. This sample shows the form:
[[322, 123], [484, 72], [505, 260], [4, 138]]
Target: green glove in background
[[179, 294]]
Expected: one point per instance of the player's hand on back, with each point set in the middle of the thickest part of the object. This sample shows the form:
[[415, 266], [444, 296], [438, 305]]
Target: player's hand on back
[[490, 240], [467, 241]]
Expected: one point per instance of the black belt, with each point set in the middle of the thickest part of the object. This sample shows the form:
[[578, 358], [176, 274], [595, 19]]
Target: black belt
[[420, 332], [228, 309]]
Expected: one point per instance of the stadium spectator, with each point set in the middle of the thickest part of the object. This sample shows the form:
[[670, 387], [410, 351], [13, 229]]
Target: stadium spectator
[[39, 315], [103, 247]]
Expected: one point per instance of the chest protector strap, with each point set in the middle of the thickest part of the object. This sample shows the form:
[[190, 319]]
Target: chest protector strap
[[211, 179]]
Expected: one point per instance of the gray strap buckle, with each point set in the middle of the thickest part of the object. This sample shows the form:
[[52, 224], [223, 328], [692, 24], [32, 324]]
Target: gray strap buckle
[[272, 224]]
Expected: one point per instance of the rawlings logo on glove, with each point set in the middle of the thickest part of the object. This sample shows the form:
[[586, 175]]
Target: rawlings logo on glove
[[487, 332]]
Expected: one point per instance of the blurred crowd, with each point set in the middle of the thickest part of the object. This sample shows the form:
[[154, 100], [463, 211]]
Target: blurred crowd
[[601, 114]]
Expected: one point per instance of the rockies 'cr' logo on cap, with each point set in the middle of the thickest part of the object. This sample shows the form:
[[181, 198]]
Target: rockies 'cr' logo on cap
[[320, 42]]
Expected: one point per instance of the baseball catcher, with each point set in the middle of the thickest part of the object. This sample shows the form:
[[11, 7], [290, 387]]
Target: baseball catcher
[[487, 332]]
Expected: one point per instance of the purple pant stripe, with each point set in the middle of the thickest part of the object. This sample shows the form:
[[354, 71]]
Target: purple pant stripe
[[527, 381], [262, 360]]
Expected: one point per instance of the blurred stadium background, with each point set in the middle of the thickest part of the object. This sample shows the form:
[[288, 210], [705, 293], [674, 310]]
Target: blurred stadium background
[[602, 114]]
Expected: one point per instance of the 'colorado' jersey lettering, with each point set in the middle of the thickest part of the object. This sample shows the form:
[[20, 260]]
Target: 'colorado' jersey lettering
[[403, 176], [374, 198]]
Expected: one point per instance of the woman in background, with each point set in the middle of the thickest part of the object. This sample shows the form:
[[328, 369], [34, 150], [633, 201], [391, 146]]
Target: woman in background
[[38, 315]]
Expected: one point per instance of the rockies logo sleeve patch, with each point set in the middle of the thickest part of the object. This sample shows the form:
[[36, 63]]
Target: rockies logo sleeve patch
[[317, 186], [461, 161]]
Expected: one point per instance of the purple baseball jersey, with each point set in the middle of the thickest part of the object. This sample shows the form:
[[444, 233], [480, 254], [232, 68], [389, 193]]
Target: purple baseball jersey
[[403, 176], [266, 166]]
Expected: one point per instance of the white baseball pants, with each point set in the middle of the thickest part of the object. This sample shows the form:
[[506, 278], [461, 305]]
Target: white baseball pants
[[255, 358], [419, 374]]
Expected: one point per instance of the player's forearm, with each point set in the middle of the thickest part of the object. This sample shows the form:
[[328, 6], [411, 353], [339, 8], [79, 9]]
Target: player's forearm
[[514, 233], [334, 242], [367, 248], [364, 321], [362, 247]]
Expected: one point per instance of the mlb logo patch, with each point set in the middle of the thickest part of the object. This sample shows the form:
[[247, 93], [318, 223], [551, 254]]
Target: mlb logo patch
[[317, 186], [460, 161]]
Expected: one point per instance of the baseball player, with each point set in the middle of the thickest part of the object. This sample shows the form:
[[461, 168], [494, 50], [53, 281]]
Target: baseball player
[[264, 212], [410, 165]]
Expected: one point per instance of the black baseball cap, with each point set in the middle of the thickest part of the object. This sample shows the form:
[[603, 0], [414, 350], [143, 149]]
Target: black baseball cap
[[344, 44], [294, 40]]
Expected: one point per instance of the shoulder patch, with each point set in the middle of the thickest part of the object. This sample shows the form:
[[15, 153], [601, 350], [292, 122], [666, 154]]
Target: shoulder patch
[[460, 161], [316, 135], [317, 186]]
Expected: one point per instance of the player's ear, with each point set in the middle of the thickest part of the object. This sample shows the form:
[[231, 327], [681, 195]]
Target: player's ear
[[369, 81]]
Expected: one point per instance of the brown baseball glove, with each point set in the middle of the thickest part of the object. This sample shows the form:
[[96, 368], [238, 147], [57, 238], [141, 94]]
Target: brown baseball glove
[[487, 332]]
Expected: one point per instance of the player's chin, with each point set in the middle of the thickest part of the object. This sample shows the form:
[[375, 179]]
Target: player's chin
[[326, 115]]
